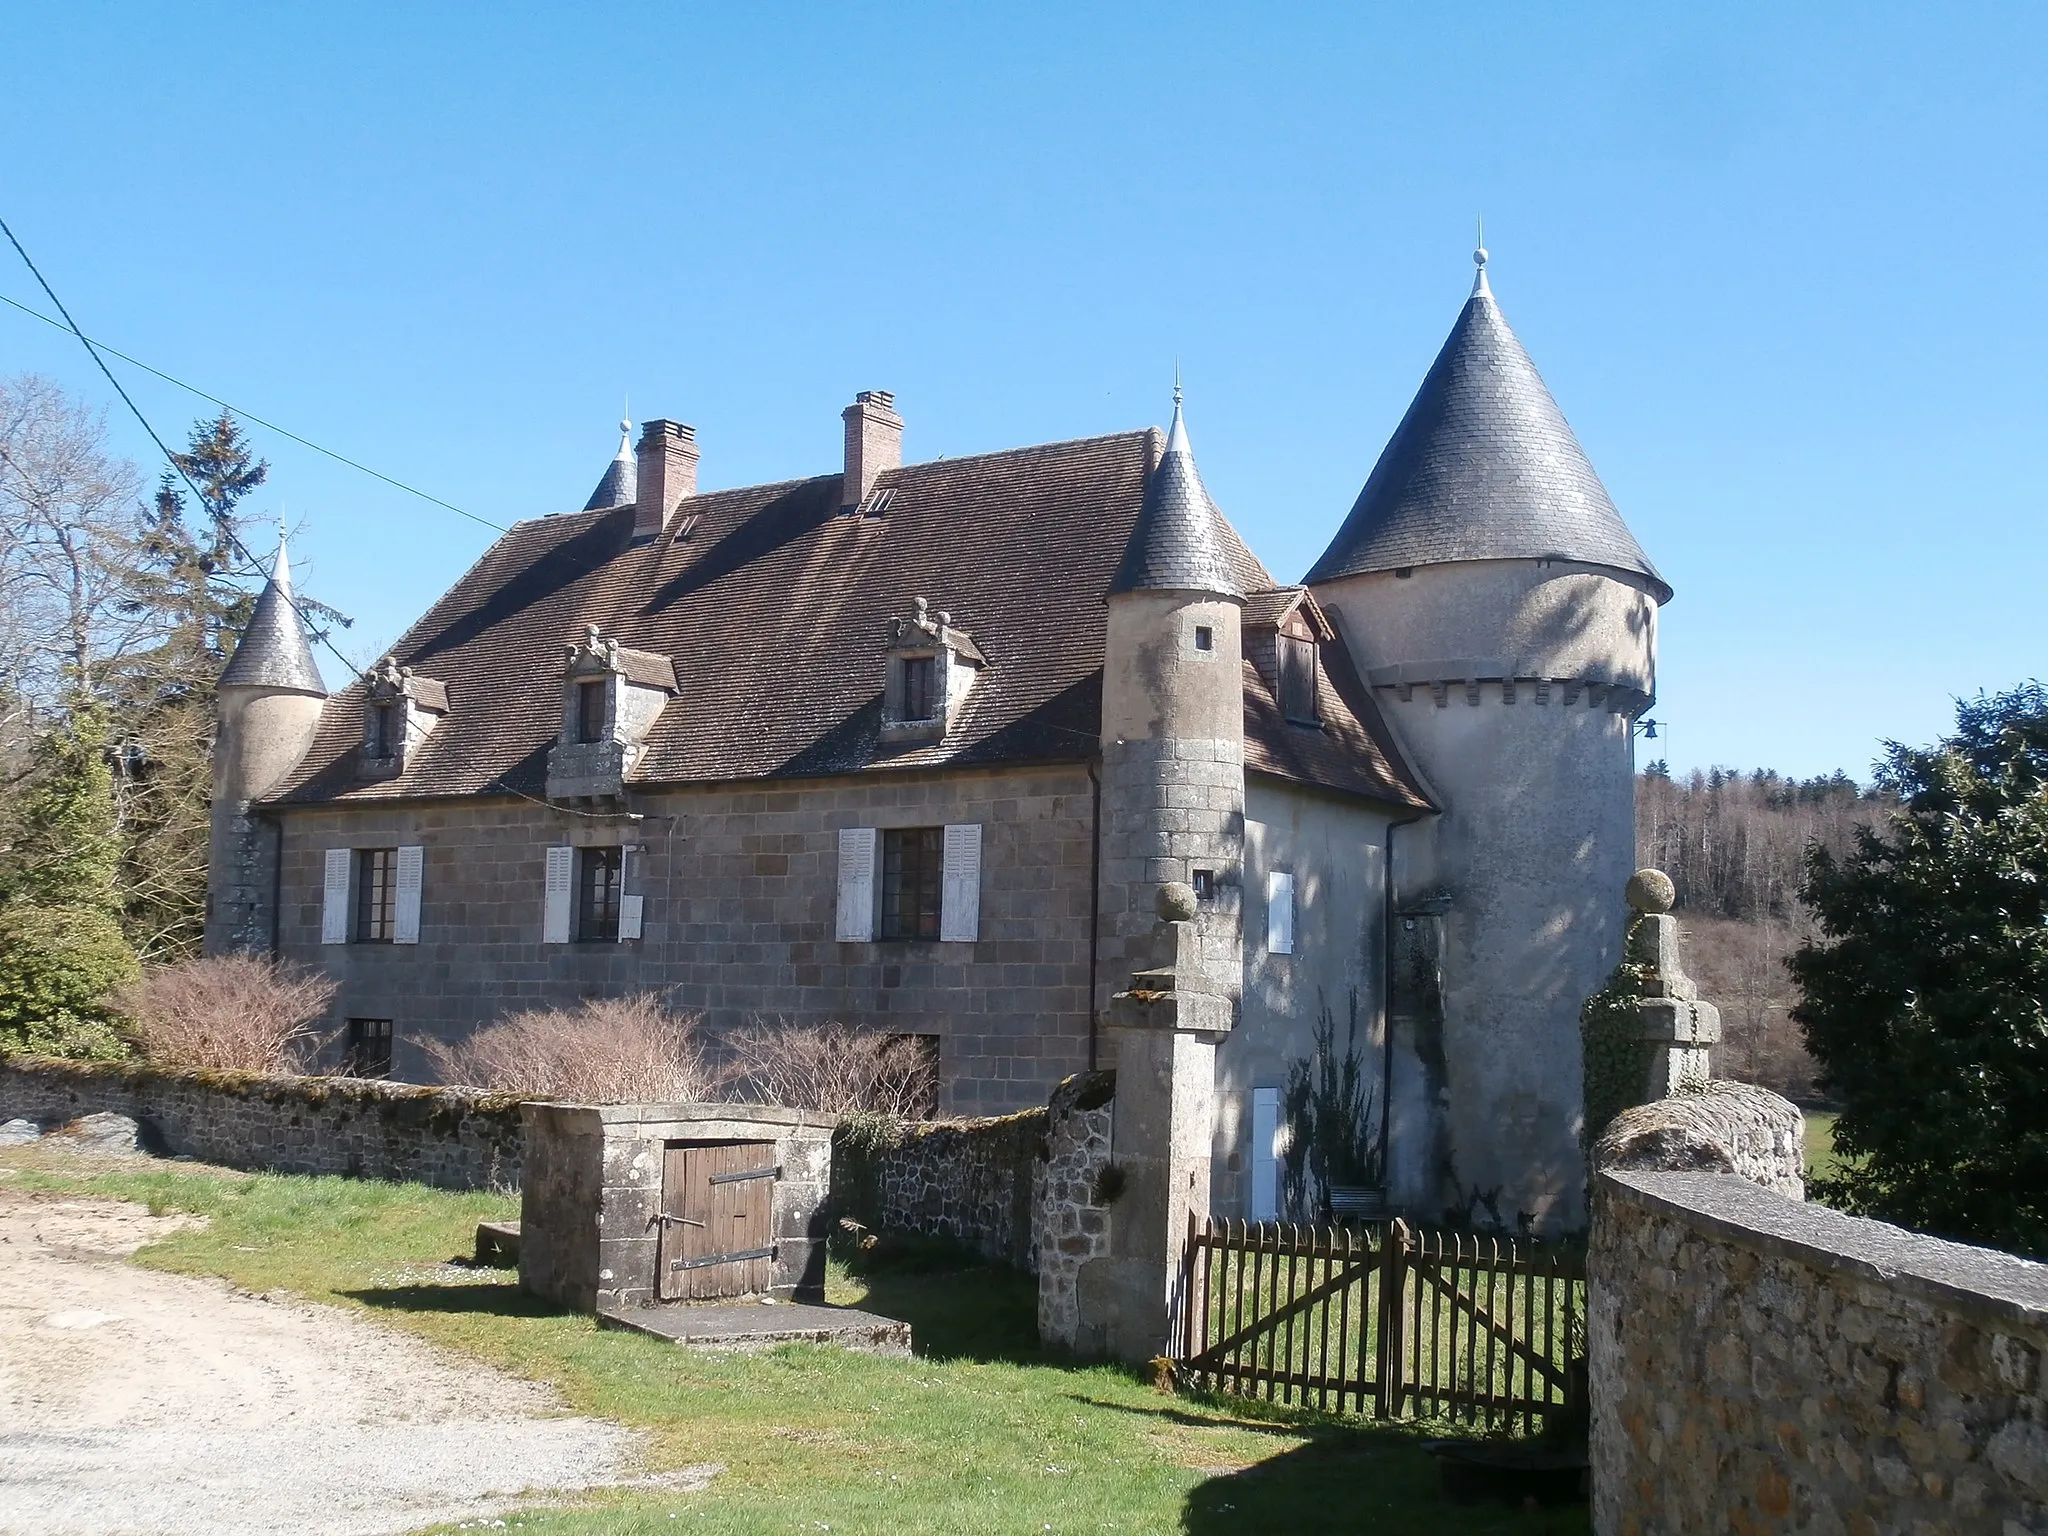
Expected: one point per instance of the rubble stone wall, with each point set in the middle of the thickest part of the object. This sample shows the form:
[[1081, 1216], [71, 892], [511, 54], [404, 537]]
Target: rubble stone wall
[[1719, 1127], [451, 1138], [1759, 1364]]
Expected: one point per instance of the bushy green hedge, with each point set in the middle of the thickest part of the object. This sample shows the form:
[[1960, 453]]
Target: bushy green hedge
[[59, 970]]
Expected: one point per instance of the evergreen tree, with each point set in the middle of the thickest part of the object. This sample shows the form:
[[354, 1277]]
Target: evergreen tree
[[1925, 998]]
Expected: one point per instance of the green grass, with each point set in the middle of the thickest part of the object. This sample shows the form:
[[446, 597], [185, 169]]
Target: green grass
[[980, 1433], [1820, 1145]]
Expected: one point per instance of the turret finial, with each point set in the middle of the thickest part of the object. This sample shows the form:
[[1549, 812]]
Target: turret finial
[[1479, 261]]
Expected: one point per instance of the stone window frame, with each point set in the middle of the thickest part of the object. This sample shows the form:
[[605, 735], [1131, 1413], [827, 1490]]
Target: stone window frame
[[955, 661], [400, 710]]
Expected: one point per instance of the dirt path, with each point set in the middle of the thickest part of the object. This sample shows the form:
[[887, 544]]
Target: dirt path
[[132, 1401]]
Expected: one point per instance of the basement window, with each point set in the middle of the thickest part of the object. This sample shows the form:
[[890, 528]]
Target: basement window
[[368, 1051]]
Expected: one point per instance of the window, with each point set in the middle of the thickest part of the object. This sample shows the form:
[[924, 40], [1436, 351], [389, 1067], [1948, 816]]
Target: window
[[1279, 912], [1264, 1203], [1204, 882], [383, 734], [590, 703], [1298, 680], [913, 869], [920, 674], [597, 893], [1205, 638], [376, 895], [368, 1053]]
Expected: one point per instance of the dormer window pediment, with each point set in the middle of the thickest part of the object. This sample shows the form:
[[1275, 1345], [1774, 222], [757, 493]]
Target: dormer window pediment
[[611, 697], [400, 710], [930, 668]]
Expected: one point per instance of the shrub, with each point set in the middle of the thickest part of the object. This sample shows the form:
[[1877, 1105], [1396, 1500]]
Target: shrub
[[60, 971], [836, 1069], [618, 1050], [242, 1013]]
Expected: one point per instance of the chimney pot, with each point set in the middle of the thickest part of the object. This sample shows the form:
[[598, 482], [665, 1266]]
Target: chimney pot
[[874, 443], [667, 474]]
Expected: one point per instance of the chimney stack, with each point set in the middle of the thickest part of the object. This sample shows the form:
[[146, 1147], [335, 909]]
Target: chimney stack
[[667, 474], [874, 443]]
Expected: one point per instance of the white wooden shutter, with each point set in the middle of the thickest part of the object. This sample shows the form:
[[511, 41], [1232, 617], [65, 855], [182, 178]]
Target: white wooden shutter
[[405, 925], [1265, 1195], [632, 905], [1279, 913], [856, 885], [334, 897], [555, 920], [960, 891]]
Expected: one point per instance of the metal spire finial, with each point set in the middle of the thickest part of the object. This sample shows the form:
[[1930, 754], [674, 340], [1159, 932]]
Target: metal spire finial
[[1479, 260]]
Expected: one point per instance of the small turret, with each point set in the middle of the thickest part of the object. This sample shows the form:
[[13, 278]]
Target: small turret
[[620, 485], [267, 706]]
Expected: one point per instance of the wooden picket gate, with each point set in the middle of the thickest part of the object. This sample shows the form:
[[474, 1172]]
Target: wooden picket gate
[[1384, 1320]]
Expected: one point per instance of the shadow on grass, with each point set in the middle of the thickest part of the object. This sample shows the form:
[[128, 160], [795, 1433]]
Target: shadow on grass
[[505, 1300], [984, 1313]]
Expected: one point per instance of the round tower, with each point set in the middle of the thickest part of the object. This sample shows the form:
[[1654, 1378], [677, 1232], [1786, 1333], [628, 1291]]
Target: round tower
[[267, 707], [1506, 621]]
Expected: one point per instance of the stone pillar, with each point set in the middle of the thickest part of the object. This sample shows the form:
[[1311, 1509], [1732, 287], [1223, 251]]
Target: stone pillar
[[1165, 1029], [1678, 1028]]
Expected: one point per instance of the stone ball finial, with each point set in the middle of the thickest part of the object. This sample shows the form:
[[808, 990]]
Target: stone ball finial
[[1651, 890], [1177, 902]]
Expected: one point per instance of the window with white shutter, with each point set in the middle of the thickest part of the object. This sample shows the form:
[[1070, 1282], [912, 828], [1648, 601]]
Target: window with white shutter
[[632, 905], [1264, 1204], [334, 896], [406, 918], [1279, 913], [960, 895], [856, 923], [560, 882]]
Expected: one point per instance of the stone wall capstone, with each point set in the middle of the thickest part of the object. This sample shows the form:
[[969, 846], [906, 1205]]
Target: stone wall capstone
[[1719, 1127], [451, 1138], [1758, 1364]]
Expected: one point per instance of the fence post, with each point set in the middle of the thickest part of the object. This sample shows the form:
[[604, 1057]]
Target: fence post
[[1183, 1326], [1392, 1356]]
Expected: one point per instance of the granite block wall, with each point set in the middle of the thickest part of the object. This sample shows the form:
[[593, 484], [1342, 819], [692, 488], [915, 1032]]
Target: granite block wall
[[1758, 1364], [451, 1138]]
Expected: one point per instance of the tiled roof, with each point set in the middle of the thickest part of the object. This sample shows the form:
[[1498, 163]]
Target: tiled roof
[[1178, 543], [621, 477], [775, 613], [273, 651], [1483, 467]]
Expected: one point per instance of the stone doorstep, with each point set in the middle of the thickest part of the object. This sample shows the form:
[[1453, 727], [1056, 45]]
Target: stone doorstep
[[750, 1326]]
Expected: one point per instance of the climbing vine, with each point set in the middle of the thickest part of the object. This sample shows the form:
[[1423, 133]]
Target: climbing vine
[[1611, 1041]]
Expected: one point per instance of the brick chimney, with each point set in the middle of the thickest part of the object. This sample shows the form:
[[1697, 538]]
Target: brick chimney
[[667, 473], [874, 443]]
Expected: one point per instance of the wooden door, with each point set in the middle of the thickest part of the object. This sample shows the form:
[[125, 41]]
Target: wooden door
[[717, 1201]]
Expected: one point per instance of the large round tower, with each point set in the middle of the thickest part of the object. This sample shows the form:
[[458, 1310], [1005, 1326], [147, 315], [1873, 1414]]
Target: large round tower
[[267, 707], [1506, 620]]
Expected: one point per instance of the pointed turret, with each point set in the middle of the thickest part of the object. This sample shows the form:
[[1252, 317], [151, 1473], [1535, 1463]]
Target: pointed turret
[[274, 651], [621, 481], [1176, 545], [1483, 467]]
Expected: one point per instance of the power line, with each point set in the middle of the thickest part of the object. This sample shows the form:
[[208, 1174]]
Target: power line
[[339, 458], [171, 458]]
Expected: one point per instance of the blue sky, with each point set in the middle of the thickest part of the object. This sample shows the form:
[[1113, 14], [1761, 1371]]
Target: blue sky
[[1777, 263]]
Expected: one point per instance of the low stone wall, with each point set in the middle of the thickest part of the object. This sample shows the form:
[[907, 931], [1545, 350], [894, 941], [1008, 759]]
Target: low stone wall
[[452, 1138], [1759, 1364], [1719, 1127], [1075, 1194]]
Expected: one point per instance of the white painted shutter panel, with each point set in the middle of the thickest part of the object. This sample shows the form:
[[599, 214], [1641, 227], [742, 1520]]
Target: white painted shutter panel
[[632, 906], [405, 925], [1265, 1201], [1280, 913], [555, 923], [960, 891], [856, 885], [334, 897]]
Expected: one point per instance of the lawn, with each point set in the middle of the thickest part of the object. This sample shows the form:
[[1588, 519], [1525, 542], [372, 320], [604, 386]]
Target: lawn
[[979, 1433], [1820, 1144]]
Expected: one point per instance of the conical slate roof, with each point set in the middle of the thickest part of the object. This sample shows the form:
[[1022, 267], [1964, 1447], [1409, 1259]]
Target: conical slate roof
[[621, 481], [1483, 467], [274, 652], [1176, 545]]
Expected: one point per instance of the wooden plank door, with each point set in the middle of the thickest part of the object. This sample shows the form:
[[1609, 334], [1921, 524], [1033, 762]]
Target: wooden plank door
[[716, 1234]]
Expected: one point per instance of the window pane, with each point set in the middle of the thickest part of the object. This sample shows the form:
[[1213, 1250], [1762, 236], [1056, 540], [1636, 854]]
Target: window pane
[[913, 860], [597, 906], [376, 895], [368, 1052], [380, 731], [590, 711], [918, 703]]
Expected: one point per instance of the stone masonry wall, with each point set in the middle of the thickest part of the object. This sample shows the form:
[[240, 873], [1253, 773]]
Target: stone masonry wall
[[969, 1180], [1073, 1203], [1759, 1364], [452, 1138], [740, 890], [1720, 1127]]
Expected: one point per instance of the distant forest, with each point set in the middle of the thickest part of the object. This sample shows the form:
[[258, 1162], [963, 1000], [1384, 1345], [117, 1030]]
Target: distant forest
[[1734, 845]]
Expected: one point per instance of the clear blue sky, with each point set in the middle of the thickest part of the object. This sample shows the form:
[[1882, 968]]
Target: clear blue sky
[[1778, 264]]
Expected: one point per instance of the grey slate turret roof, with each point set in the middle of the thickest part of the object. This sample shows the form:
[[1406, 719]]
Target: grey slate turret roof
[[1483, 467], [621, 482], [1177, 545], [273, 651]]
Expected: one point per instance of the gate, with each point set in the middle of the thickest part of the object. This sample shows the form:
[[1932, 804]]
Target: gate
[[716, 1209], [1387, 1320]]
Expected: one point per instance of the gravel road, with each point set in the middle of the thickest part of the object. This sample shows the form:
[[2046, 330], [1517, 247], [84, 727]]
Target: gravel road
[[132, 1401]]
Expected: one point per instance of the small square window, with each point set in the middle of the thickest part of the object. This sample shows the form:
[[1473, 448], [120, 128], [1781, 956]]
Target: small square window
[[590, 720], [383, 739], [368, 1049], [913, 867], [920, 696], [598, 885], [1205, 638], [1204, 882], [376, 895]]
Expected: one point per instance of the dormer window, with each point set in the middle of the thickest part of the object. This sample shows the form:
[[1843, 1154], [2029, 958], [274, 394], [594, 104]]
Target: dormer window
[[381, 736], [1298, 680], [611, 697], [400, 709], [590, 710], [931, 667]]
